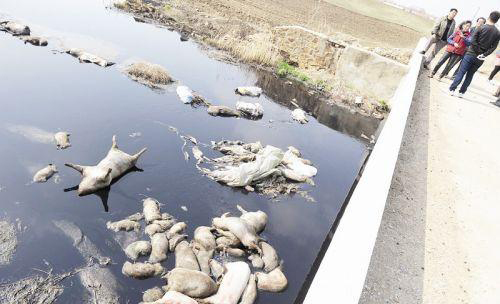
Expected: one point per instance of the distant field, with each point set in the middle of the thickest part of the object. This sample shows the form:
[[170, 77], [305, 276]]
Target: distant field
[[379, 10]]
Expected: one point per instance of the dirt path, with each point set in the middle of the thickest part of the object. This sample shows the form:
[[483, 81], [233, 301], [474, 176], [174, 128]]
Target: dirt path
[[463, 231], [439, 235]]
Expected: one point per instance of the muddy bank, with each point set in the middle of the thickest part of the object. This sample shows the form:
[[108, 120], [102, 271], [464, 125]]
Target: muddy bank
[[8, 242], [339, 115]]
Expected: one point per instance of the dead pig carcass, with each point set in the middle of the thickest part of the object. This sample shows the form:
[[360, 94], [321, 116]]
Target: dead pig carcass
[[44, 174], [100, 176], [252, 110], [248, 91], [85, 57], [187, 96], [15, 28]]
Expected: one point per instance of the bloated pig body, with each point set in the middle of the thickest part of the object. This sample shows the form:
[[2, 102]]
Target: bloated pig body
[[101, 175]]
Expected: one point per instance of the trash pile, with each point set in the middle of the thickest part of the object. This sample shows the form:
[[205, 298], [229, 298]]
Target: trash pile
[[213, 268], [267, 170]]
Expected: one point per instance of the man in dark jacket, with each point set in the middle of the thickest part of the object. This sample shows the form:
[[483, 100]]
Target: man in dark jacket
[[479, 22], [484, 41], [440, 34]]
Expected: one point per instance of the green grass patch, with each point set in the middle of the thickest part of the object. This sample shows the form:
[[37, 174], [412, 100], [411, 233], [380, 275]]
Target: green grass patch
[[286, 70], [383, 106]]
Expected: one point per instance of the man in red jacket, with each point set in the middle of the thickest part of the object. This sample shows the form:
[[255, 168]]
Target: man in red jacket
[[457, 45]]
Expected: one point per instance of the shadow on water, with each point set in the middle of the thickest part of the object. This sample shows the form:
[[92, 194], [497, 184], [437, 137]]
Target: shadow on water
[[103, 194], [327, 113]]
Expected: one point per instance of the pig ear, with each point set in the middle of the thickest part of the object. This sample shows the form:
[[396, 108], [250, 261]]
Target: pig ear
[[76, 167], [225, 214]]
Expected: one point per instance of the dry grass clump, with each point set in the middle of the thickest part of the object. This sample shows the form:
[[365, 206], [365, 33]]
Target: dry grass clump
[[257, 48], [149, 74]]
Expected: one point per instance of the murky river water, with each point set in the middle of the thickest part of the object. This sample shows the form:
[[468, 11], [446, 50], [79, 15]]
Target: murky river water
[[52, 92]]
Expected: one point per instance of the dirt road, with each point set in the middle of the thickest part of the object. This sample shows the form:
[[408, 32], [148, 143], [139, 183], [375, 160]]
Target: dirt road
[[438, 241]]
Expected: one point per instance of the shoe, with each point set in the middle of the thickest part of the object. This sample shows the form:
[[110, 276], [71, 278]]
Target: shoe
[[460, 95], [422, 52], [452, 93]]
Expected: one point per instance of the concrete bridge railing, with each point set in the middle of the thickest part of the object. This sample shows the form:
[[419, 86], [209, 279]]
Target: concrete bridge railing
[[343, 268]]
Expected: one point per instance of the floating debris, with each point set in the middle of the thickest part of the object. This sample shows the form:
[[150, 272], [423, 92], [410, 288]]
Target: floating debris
[[125, 225], [266, 170], [44, 174], [137, 249], [100, 176], [15, 28], [159, 250], [184, 208], [62, 140], [176, 297], [36, 41], [274, 281], [85, 57], [222, 111], [233, 284], [135, 134], [300, 116], [250, 292], [151, 75], [142, 270], [192, 283], [249, 91], [187, 96], [253, 110], [151, 209], [153, 294]]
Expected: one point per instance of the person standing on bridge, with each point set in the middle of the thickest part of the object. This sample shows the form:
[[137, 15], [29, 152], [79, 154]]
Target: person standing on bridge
[[457, 44], [440, 34], [479, 22], [496, 68], [484, 42]]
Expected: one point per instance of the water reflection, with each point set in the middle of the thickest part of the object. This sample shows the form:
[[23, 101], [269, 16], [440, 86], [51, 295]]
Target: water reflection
[[103, 194], [331, 115]]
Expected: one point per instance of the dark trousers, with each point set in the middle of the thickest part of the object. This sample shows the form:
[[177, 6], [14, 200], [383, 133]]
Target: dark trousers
[[494, 72], [456, 70], [470, 64], [452, 60]]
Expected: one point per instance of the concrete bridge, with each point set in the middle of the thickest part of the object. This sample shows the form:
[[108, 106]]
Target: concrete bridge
[[422, 224]]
